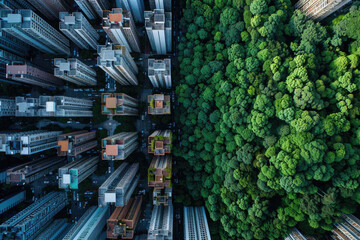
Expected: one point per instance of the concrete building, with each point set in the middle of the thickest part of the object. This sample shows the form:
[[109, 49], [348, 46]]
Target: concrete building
[[5, 59], [75, 71], [195, 224], [120, 185], [75, 143], [56, 230], [15, 4], [122, 222], [29, 142], [162, 196], [29, 172], [76, 27], [120, 27], [348, 229], [160, 172], [161, 223], [28, 223], [11, 201], [160, 4], [317, 10], [93, 8], [90, 225], [159, 72], [50, 9], [136, 7], [29, 27], [159, 142], [295, 235], [158, 28], [13, 45], [118, 63], [119, 104], [7, 107], [119, 146], [32, 75], [159, 104], [53, 106], [73, 173]]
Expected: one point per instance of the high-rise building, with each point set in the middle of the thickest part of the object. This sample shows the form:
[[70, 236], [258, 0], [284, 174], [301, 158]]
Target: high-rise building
[[162, 196], [75, 71], [160, 4], [11, 201], [15, 4], [119, 104], [160, 72], [295, 235], [50, 9], [119, 146], [76, 27], [161, 223], [90, 225], [320, 9], [31, 171], [7, 107], [5, 59], [123, 220], [74, 143], [160, 142], [118, 63], [13, 45], [160, 171], [93, 8], [195, 224], [56, 230], [31, 75], [29, 142], [158, 28], [27, 26], [53, 106], [120, 185], [32, 220], [73, 173], [120, 27], [348, 229], [159, 104], [136, 7]]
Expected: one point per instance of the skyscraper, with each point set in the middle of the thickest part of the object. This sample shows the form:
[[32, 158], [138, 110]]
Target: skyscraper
[[162, 196], [195, 224], [318, 10], [13, 45], [158, 28], [123, 220], [27, 143], [160, 4], [32, 220], [53, 106], [118, 104], [52, 8], [76, 27], [93, 8], [118, 63], [119, 186], [32, 29], [159, 104], [75, 71], [11, 201], [295, 235], [348, 229], [56, 230], [120, 27], [73, 173], [161, 223], [119, 146], [160, 171], [136, 7], [7, 107], [159, 142], [15, 4], [31, 75], [160, 73], [74, 143], [29, 172]]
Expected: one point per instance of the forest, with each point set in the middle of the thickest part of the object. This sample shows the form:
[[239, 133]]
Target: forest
[[269, 114]]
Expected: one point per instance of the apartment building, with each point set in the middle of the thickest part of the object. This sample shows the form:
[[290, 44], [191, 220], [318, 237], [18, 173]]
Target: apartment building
[[136, 7], [29, 172], [158, 28], [13, 45], [56, 230], [50, 9], [161, 223], [159, 72], [120, 27], [160, 172], [119, 146], [159, 142], [160, 4], [29, 27], [11, 201], [28, 74], [75, 71], [75, 143], [159, 104], [195, 224], [119, 186], [295, 235], [77, 28], [116, 61], [15, 4], [7, 107], [162, 196], [93, 8], [73, 173], [348, 229], [28, 223], [27, 143], [119, 104], [122, 222]]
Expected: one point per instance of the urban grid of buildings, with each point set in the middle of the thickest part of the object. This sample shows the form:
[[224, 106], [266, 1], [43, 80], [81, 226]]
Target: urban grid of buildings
[[119, 104], [119, 146], [75, 143]]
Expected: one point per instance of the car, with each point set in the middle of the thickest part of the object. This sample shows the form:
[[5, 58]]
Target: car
[[142, 117], [69, 121], [79, 204], [46, 182], [77, 197], [100, 128], [69, 211]]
